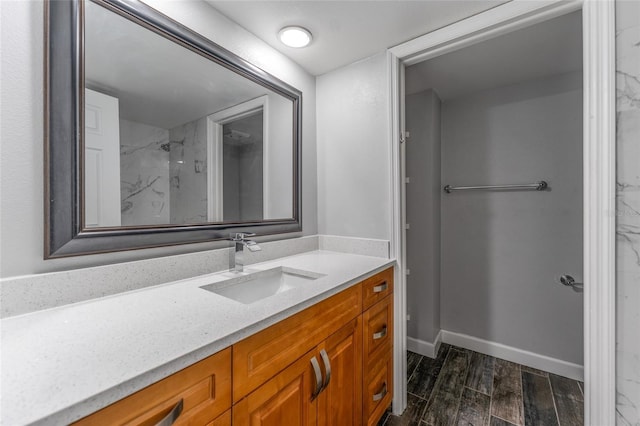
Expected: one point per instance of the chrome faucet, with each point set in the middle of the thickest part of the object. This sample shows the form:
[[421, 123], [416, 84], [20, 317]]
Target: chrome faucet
[[236, 262]]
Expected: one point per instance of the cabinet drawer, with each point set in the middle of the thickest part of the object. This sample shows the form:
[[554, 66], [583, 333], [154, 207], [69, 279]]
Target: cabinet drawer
[[377, 287], [378, 390], [261, 356], [204, 389], [378, 330]]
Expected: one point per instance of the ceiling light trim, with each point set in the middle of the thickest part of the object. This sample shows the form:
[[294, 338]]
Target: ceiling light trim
[[295, 36]]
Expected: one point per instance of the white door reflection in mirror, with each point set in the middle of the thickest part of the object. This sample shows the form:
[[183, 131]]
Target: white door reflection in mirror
[[102, 160]]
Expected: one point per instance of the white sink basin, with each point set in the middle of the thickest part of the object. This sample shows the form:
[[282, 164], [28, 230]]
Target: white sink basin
[[251, 287]]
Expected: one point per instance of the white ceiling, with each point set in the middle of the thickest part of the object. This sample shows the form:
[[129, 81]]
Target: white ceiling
[[349, 30], [129, 62], [551, 47]]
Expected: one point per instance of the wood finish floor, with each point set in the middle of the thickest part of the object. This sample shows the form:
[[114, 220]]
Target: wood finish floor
[[462, 387]]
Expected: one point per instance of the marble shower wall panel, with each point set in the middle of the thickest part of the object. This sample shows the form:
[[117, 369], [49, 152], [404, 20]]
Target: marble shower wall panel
[[144, 174], [628, 212], [188, 172]]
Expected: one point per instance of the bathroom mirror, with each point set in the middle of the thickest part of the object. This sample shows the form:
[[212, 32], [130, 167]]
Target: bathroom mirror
[[156, 135]]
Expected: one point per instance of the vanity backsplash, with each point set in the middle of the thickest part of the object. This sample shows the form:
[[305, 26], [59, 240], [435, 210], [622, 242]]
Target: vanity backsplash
[[21, 295]]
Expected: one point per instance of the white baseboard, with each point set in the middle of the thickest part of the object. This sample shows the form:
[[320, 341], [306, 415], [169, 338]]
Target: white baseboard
[[424, 348], [509, 353], [498, 350]]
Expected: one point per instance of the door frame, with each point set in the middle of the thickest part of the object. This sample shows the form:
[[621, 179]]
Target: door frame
[[215, 181], [599, 149]]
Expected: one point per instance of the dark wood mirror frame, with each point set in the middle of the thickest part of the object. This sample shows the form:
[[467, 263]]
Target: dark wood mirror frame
[[64, 132]]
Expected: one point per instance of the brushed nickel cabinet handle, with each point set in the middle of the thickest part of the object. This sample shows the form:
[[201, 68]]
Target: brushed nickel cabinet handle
[[173, 415], [383, 392], [380, 334], [316, 370], [327, 368], [380, 288]]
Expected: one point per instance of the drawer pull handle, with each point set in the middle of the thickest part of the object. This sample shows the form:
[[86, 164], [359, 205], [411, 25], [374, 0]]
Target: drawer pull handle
[[327, 368], [383, 392], [172, 416], [380, 334], [380, 288], [316, 370]]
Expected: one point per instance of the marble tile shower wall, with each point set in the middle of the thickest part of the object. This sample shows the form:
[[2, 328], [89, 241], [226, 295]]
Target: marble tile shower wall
[[188, 172], [628, 212], [144, 175]]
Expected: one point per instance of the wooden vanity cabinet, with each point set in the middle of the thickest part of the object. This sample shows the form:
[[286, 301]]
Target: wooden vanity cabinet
[[329, 365], [276, 382]]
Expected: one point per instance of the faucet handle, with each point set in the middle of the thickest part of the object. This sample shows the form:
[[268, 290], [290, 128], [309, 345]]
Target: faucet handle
[[240, 236]]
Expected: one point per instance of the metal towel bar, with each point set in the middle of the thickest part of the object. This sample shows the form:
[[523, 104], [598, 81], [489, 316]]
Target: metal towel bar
[[538, 186]]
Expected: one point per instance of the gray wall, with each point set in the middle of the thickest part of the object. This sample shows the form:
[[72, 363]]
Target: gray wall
[[628, 213], [354, 180], [502, 252], [21, 156], [423, 214]]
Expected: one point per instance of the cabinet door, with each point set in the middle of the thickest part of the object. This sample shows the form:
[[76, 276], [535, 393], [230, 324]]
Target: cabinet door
[[286, 399], [340, 403], [258, 358]]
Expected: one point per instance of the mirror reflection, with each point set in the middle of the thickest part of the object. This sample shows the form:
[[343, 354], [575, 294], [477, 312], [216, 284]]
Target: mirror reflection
[[172, 137]]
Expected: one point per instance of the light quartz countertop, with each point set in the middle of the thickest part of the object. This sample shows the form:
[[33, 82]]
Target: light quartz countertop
[[61, 364]]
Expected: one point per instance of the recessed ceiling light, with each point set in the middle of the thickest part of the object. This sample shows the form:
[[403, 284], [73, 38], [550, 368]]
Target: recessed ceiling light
[[295, 36]]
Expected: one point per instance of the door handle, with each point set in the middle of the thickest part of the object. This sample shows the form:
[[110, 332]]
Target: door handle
[[380, 334], [569, 281], [380, 288], [381, 394], [327, 369], [318, 373], [173, 415]]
